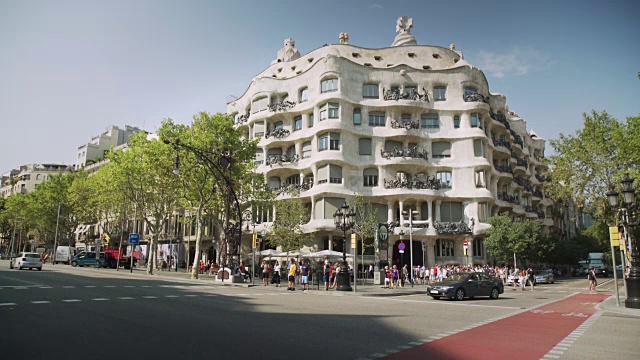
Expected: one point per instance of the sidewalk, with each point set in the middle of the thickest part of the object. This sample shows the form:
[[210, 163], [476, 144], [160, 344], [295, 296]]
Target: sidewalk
[[610, 304], [182, 276]]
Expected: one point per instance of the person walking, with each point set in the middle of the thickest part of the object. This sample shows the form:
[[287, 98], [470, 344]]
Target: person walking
[[275, 279], [531, 278], [291, 284], [593, 281], [395, 276], [336, 271]]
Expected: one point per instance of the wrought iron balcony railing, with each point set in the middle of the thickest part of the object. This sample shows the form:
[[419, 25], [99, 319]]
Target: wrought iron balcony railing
[[526, 184], [395, 94], [475, 98], [501, 119], [281, 159], [452, 228], [501, 142], [292, 188], [542, 178], [430, 183], [505, 196], [531, 209], [541, 214], [408, 125], [521, 161], [242, 119], [278, 133], [504, 168], [410, 153], [537, 193], [281, 106]]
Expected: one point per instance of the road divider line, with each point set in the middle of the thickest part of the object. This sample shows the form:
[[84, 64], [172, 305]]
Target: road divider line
[[100, 299], [125, 298], [150, 297], [171, 296], [41, 302], [72, 300], [8, 304], [89, 286]]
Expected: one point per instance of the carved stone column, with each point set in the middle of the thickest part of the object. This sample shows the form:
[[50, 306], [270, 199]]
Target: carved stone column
[[430, 210], [389, 211], [437, 212], [400, 204]]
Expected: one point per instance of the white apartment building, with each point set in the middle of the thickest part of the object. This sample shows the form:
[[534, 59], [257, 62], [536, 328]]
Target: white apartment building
[[24, 179], [411, 127], [95, 150]]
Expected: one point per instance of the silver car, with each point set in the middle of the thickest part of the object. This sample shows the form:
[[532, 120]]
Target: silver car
[[545, 276], [26, 260]]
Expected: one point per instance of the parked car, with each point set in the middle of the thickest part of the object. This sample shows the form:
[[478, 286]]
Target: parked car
[[544, 276], [26, 260], [88, 258], [470, 284]]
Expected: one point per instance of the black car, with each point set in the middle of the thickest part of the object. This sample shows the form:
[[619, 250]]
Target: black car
[[468, 284]]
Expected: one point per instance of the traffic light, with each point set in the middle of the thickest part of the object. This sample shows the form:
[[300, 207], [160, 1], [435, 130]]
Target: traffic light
[[255, 240], [466, 251]]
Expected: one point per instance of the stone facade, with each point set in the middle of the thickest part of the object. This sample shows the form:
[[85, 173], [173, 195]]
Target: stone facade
[[25, 178], [411, 127]]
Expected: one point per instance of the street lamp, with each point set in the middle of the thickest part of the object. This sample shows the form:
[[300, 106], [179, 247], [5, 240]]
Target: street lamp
[[628, 217], [401, 233], [344, 220]]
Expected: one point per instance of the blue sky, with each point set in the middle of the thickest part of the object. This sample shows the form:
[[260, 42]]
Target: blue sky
[[69, 69]]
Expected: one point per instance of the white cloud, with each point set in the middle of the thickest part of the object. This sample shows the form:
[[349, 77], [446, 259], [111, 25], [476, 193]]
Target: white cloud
[[375, 6], [517, 61]]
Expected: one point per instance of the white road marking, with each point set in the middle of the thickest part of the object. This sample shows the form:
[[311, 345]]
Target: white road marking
[[416, 343], [89, 286], [171, 296], [41, 302], [68, 287], [444, 303], [191, 295], [46, 287], [128, 286], [125, 298], [7, 304], [150, 297], [72, 300], [20, 287], [109, 286], [100, 299]]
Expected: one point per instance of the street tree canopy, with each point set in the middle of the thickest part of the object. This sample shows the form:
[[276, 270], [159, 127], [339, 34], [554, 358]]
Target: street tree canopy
[[526, 240], [597, 155]]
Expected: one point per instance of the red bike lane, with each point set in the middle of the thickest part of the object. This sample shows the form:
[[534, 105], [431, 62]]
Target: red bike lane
[[527, 335]]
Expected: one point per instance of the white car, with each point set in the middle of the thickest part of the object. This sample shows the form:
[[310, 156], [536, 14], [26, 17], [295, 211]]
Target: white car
[[26, 260]]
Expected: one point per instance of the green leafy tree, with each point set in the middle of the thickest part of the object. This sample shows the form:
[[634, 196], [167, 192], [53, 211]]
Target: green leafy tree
[[597, 155], [526, 240], [203, 188], [287, 230], [366, 223], [144, 173]]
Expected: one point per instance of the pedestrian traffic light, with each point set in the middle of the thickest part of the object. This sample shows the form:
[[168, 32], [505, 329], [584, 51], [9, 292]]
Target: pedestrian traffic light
[[255, 240]]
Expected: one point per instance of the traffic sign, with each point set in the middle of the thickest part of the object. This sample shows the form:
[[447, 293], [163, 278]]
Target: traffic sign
[[424, 245], [134, 238], [401, 246], [465, 244], [401, 251]]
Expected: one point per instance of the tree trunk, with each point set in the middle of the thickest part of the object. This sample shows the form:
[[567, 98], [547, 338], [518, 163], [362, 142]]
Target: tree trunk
[[196, 259]]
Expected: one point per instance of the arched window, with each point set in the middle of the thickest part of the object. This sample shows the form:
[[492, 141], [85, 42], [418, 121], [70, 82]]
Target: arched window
[[274, 182], [445, 248], [370, 177], [39, 177]]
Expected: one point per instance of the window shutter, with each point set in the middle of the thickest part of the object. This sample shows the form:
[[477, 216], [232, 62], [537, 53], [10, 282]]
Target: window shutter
[[323, 173], [477, 147], [456, 211], [258, 127], [364, 146], [335, 171], [389, 145], [306, 146], [291, 151], [441, 148], [274, 182], [275, 151], [259, 155], [331, 205]]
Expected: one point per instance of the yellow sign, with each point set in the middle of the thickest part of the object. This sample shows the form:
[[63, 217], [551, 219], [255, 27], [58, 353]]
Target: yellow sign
[[255, 240], [614, 236], [353, 241]]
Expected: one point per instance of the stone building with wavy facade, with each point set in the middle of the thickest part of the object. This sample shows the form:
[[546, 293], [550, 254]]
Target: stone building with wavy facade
[[413, 128]]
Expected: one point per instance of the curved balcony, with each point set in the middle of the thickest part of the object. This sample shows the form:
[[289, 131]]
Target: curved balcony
[[501, 142], [278, 133], [526, 184], [502, 119], [294, 189], [504, 169], [242, 119], [413, 153], [542, 179], [453, 228], [396, 95], [430, 183], [281, 159], [407, 125], [537, 193], [475, 98], [281, 106], [504, 196]]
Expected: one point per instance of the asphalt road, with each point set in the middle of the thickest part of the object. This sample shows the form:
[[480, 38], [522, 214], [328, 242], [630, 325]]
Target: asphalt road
[[85, 313]]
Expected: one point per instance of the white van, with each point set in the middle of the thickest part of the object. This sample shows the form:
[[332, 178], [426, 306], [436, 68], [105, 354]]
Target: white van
[[64, 254]]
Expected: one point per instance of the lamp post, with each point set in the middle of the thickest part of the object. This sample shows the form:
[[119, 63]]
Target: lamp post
[[344, 220], [248, 218], [401, 233], [629, 218], [219, 164]]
